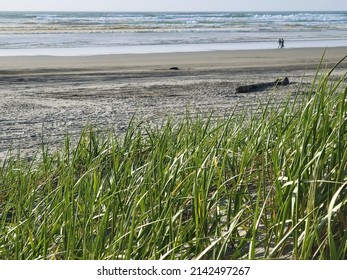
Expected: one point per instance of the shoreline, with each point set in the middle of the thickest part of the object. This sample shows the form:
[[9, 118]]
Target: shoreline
[[300, 58], [174, 48]]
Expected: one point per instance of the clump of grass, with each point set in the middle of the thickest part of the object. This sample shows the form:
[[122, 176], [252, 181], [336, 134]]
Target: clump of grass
[[272, 185]]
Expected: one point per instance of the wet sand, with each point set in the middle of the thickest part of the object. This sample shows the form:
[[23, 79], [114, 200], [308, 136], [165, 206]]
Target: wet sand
[[44, 97]]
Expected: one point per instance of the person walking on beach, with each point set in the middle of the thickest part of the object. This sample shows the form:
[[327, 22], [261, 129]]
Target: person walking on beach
[[280, 43]]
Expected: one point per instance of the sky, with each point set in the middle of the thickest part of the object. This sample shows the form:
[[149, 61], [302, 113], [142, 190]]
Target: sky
[[173, 5]]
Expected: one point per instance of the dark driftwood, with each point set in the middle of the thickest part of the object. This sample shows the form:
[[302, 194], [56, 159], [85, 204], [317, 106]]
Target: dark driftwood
[[262, 86]]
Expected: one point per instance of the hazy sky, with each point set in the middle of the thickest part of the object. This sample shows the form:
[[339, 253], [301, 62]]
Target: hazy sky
[[172, 5]]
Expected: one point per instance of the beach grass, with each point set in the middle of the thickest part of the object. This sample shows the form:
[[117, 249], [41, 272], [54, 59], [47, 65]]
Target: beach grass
[[268, 185]]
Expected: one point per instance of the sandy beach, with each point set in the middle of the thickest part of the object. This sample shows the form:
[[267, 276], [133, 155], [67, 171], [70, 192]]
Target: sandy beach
[[45, 97]]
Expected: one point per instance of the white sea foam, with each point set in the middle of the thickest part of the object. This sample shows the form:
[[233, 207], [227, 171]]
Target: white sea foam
[[93, 33]]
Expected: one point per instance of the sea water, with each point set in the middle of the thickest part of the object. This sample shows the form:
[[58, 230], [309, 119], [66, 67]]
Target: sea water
[[85, 33]]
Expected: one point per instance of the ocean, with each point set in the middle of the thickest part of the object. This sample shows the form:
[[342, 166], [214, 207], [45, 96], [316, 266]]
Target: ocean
[[85, 33]]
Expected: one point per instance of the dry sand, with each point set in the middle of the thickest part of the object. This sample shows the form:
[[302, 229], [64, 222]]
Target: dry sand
[[42, 98]]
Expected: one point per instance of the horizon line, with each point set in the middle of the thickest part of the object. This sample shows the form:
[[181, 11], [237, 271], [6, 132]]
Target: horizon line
[[173, 11]]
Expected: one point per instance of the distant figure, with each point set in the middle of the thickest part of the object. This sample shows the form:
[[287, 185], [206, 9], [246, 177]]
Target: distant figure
[[280, 43]]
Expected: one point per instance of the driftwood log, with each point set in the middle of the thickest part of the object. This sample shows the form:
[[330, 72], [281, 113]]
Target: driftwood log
[[262, 86]]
